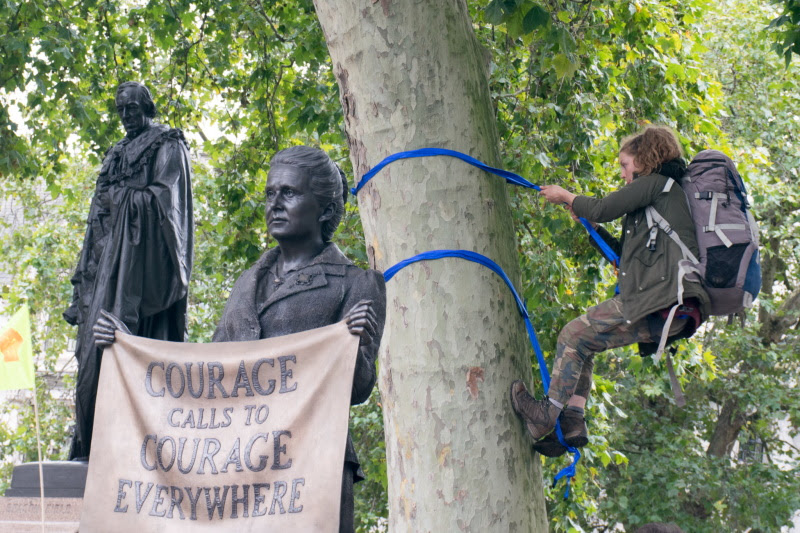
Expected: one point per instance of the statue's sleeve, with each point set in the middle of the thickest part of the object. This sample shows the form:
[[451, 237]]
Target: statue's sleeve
[[172, 192], [367, 285], [154, 238], [239, 320], [75, 313]]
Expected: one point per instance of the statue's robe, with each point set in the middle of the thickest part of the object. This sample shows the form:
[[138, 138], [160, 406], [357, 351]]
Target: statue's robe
[[137, 255]]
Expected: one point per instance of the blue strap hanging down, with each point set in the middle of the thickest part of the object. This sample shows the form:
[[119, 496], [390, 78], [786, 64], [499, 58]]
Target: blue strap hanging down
[[569, 471], [510, 177], [607, 251]]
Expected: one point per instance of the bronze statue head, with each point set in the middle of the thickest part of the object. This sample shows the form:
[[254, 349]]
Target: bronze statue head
[[135, 107], [311, 171]]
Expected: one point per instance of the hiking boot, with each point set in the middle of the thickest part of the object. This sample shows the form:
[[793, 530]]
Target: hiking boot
[[539, 415], [549, 446], [573, 426]]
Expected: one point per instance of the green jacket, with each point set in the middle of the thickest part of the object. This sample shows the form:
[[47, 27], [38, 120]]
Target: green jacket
[[648, 279]]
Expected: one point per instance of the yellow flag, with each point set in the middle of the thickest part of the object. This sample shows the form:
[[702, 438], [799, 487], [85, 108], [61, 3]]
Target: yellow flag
[[16, 355]]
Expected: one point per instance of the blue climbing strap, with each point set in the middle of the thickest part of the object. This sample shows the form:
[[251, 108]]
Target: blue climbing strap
[[569, 471], [607, 251], [510, 177], [515, 179]]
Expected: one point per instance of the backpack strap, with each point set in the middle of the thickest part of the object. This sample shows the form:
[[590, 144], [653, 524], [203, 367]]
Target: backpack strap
[[655, 222], [751, 221], [683, 268], [715, 197], [680, 399]]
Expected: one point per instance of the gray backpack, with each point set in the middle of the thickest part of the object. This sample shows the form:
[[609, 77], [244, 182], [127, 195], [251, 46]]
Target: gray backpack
[[727, 235]]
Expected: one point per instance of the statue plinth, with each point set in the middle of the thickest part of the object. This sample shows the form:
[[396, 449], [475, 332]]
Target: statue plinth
[[21, 508], [62, 479]]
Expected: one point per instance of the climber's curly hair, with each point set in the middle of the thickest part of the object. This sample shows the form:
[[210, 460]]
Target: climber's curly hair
[[651, 147]]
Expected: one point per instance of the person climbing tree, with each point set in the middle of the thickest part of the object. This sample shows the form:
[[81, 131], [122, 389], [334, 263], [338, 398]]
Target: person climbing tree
[[649, 279]]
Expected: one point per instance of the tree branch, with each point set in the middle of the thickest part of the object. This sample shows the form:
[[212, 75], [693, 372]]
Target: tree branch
[[263, 13], [730, 422], [775, 326], [107, 26]]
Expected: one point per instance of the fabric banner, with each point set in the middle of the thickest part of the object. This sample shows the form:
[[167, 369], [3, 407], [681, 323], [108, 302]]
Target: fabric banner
[[234, 436]]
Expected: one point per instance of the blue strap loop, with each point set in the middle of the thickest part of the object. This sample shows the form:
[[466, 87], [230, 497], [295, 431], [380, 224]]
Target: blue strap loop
[[569, 471], [510, 177], [463, 254]]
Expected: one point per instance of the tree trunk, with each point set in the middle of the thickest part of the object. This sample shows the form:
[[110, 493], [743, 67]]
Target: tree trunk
[[411, 75], [730, 422]]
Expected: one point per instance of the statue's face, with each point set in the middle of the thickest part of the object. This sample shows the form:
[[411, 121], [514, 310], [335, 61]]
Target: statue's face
[[131, 111], [292, 211]]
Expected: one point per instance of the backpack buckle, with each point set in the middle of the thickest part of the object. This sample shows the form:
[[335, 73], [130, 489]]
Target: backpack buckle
[[651, 241]]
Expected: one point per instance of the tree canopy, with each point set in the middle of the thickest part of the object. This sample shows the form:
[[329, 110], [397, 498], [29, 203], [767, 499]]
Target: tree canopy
[[568, 79]]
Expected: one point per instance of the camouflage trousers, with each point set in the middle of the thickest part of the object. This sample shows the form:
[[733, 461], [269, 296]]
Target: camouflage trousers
[[603, 327]]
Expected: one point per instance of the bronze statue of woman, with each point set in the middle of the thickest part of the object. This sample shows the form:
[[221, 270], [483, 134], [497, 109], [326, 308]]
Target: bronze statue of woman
[[306, 282]]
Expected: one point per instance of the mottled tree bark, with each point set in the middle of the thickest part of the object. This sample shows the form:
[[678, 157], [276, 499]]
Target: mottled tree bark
[[411, 75]]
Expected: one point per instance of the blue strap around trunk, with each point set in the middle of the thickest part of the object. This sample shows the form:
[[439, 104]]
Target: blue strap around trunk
[[510, 177], [515, 179], [569, 471]]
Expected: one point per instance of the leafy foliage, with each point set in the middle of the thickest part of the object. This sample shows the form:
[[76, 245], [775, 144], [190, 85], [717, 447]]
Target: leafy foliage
[[36, 255]]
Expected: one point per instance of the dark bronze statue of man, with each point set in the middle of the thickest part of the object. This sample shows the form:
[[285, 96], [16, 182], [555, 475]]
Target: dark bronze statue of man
[[137, 253]]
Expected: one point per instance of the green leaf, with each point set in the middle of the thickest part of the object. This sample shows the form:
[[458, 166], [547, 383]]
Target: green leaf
[[675, 70], [605, 458], [493, 13], [514, 24], [536, 17], [563, 38], [563, 66]]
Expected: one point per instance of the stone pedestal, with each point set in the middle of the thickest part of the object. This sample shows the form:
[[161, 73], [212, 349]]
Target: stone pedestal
[[21, 508], [24, 515], [62, 479]]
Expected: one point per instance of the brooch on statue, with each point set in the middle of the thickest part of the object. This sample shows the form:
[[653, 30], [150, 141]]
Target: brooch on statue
[[304, 279]]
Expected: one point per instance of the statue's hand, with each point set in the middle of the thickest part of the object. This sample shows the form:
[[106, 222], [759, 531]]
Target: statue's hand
[[105, 328], [362, 321]]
